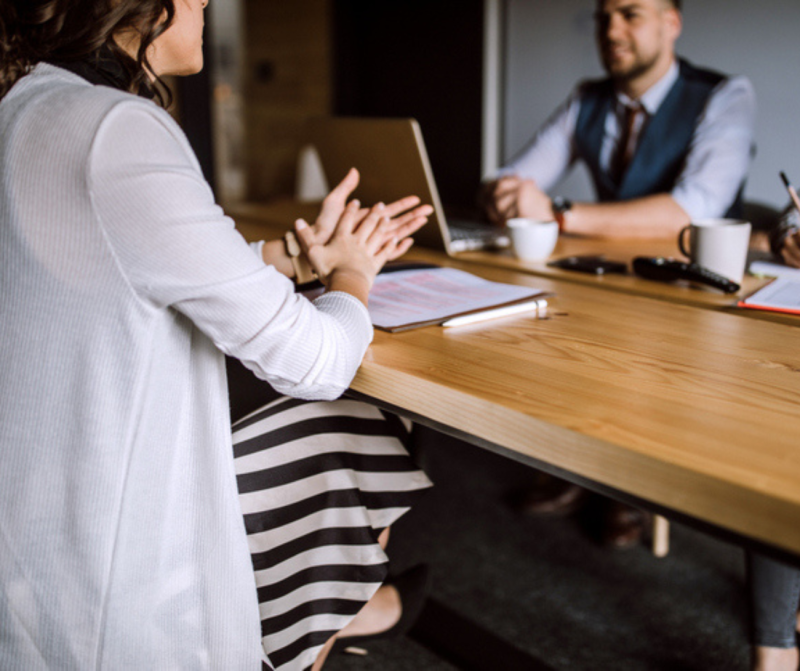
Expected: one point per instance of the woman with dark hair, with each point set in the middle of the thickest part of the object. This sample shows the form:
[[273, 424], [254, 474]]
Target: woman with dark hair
[[121, 285]]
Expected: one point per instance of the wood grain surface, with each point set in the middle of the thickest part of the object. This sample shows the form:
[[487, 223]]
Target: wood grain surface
[[687, 407]]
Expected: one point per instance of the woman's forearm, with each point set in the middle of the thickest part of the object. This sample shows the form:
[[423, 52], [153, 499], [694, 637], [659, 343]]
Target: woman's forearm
[[274, 254], [351, 282]]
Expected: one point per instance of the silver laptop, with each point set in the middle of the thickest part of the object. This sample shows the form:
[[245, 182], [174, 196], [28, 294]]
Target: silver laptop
[[391, 157]]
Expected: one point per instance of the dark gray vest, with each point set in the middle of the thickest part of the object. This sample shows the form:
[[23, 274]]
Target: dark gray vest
[[663, 144]]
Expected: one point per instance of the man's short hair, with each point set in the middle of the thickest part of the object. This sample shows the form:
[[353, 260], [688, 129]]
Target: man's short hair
[[675, 4]]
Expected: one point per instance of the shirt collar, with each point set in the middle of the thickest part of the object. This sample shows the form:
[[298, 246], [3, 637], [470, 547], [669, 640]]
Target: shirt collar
[[104, 68], [652, 98]]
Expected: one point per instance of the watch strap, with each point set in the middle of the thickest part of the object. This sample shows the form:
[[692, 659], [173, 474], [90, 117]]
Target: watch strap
[[303, 272], [560, 207]]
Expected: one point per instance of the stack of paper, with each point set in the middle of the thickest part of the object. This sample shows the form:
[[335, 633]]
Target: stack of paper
[[412, 298], [780, 295], [406, 299]]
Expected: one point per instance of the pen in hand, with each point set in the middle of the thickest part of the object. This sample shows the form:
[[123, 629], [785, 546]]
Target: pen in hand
[[791, 190]]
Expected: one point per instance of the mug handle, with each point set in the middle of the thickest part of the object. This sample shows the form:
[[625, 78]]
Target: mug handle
[[681, 240]]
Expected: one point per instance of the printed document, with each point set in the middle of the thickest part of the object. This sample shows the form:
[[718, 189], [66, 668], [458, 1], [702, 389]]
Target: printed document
[[406, 299]]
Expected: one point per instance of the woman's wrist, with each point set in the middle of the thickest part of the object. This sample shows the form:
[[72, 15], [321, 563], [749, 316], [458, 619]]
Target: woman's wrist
[[273, 253], [350, 281], [303, 271], [277, 253]]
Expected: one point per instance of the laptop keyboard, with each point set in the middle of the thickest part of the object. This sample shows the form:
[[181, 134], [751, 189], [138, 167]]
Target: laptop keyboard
[[473, 235]]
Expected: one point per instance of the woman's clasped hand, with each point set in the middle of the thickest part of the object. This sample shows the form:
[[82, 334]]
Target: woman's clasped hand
[[351, 243]]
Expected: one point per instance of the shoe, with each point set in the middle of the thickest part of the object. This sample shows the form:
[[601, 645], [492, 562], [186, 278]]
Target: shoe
[[623, 526], [551, 497], [413, 587]]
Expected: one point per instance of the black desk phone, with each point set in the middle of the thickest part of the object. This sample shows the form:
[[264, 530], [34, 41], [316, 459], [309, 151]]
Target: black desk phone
[[594, 264], [669, 270]]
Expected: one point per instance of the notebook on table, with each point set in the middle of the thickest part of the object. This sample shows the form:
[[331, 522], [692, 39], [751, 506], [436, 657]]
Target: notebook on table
[[390, 154], [407, 297]]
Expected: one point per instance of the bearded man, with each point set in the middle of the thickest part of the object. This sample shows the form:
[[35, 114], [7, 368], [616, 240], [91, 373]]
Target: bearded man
[[665, 142]]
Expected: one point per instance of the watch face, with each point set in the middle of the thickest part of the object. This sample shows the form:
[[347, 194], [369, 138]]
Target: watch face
[[561, 204]]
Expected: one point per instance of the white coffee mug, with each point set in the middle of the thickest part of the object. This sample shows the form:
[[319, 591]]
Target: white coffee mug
[[719, 245], [531, 239]]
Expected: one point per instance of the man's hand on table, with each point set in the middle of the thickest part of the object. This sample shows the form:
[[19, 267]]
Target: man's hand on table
[[512, 196]]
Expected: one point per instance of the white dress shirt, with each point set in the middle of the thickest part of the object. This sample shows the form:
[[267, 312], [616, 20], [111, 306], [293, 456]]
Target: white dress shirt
[[716, 164]]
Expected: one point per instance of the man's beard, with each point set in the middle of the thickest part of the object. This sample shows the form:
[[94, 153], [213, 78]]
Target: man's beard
[[633, 71]]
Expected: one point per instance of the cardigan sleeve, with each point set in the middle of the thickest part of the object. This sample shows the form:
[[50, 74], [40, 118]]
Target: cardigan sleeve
[[177, 250]]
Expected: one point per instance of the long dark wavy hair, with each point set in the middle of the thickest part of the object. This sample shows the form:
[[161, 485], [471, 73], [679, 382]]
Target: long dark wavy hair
[[68, 31]]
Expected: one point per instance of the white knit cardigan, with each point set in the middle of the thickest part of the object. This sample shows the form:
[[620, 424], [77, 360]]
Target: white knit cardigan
[[121, 283]]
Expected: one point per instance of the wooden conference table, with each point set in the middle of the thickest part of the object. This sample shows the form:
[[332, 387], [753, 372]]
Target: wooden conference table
[[693, 411]]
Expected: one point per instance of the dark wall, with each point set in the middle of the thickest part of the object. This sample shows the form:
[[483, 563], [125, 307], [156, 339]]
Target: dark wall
[[194, 96], [422, 59]]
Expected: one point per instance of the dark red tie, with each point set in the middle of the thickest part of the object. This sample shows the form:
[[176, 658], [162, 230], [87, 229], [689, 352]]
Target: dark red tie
[[627, 142]]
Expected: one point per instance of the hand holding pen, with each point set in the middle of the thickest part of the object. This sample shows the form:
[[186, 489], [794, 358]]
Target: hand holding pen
[[791, 190], [789, 244]]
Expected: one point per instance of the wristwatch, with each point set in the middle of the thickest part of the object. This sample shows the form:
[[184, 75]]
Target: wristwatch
[[303, 272], [560, 208]]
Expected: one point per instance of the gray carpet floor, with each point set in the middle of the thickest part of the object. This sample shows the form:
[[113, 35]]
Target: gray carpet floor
[[545, 587]]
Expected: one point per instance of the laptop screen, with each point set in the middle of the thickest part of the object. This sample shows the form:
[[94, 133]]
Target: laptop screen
[[391, 157]]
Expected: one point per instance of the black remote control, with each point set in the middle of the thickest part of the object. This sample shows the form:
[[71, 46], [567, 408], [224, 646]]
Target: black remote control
[[669, 270]]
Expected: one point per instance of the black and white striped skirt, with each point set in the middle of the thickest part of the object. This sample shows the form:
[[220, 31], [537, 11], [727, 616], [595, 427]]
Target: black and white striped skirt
[[318, 482]]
